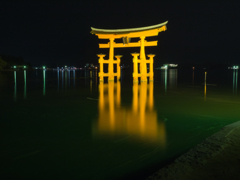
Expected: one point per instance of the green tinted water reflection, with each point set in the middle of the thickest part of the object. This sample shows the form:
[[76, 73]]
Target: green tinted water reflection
[[25, 84], [235, 80], [44, 82], [15, 85], [86, 130]]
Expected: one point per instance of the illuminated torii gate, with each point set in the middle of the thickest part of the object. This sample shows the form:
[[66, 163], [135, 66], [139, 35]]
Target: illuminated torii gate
[[126, 35]]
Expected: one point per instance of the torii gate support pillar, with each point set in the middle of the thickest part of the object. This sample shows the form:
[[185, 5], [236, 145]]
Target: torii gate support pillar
[[151, 66], [135, 67], [101, 60]]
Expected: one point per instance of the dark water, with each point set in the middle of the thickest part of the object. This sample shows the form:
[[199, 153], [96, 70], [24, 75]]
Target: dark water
[[66, 125]]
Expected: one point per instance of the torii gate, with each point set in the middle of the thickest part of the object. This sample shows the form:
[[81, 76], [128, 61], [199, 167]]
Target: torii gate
[[126, 34]]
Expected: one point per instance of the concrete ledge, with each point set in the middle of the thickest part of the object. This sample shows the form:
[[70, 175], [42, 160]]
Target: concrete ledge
[[218, 149]]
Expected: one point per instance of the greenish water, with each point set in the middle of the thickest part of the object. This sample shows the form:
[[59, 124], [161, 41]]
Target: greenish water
[[66, 125]]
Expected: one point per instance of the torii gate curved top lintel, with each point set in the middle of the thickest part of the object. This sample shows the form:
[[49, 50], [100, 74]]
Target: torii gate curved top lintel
[[126, 35]]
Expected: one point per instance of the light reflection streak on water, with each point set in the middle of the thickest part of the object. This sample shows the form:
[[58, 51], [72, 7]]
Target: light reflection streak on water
[[91, 73], [15, 85], [193, 78], [235, 80], [85, 75], [165, 80], [73, 78], [65, 79], [44, 82], [176, 76], [62, 80], [140, 121], [96, 79], [205, 86], [25, 84], [95, 76], [91, 80], [58, 78], [172, 77], [69, 77], [91, 85]]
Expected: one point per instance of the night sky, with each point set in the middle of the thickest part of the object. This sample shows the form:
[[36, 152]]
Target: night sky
[[47, 33]]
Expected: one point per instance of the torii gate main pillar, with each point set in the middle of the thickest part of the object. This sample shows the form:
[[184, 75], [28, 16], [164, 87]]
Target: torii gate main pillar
[[143, 65], [111, 54]]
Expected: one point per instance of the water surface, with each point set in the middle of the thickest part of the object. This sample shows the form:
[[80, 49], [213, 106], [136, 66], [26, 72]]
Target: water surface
[[67, 125]]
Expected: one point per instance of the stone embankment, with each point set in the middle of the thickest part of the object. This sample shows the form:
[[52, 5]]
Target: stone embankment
[[217, 157]]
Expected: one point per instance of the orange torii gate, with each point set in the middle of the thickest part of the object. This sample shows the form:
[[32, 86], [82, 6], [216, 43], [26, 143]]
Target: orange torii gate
[[126, 35]]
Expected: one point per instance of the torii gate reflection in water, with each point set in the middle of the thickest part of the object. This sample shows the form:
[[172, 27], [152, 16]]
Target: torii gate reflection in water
[[126, 35], [140, 121]]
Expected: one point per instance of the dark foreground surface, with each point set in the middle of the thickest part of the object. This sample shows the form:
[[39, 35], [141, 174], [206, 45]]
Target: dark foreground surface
[[217, 157]]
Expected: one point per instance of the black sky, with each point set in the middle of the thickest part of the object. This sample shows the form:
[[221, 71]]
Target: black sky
[[46, 33]]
